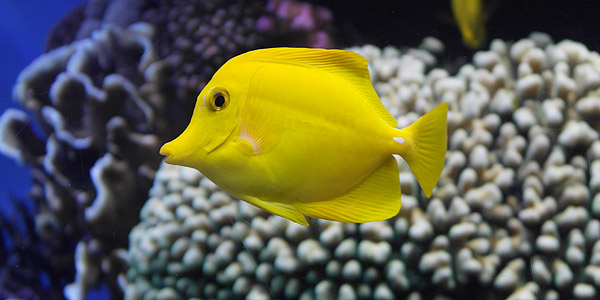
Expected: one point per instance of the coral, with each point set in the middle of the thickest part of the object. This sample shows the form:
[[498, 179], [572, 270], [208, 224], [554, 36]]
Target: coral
[[65, 31], [299, 23], [196, 38], [514, 215], [24, 271], [17, 139], [119, 78], [83, 20], [92, 172]]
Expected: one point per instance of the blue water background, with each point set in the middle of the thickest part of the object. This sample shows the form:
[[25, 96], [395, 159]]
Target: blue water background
[[23, 28]]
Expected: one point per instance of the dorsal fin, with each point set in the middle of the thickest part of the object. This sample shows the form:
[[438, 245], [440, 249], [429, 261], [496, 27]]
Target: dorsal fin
[[348, 65]]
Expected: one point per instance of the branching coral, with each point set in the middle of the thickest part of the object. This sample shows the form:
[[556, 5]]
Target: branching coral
[[124, 82], [92, 107], [24, 273]]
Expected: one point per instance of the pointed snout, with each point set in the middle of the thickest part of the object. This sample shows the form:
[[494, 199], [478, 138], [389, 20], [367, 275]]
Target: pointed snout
[[177, 151], [181, 151], [167, 150]]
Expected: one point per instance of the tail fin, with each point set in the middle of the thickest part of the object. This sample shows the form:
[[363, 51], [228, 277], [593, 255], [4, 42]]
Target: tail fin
[[429, 138]]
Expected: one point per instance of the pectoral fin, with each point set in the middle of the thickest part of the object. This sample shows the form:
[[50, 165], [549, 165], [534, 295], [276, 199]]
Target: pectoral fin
[[259, 126], [376, 198]]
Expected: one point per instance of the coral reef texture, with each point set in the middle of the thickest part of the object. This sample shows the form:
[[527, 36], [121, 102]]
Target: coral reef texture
[[516, 213], [24, 271], [119, 78]]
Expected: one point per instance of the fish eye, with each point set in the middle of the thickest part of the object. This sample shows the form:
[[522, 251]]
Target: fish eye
[[217, 98]]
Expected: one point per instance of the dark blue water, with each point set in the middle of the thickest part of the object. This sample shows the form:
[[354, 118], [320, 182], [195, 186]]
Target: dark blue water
[[23, 28]]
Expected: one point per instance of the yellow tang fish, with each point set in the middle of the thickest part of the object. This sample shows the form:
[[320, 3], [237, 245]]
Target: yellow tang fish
[[471, 18], [300, 131]]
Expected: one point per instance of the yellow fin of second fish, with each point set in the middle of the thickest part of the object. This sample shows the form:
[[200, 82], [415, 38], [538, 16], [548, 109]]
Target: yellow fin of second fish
[[347, 65], [376, 198], [283, 210]]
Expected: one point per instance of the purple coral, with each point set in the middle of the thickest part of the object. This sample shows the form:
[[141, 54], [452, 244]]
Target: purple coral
[[293, 18]]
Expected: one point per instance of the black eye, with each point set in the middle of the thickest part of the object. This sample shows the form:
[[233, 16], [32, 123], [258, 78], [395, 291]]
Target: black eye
[[219, 100]]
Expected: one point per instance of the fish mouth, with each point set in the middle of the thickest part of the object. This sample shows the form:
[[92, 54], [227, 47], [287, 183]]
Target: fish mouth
[[174, 154], [165, 150]]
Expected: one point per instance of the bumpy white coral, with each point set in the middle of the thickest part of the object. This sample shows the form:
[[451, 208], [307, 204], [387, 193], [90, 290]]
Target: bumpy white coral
[[514, 215]]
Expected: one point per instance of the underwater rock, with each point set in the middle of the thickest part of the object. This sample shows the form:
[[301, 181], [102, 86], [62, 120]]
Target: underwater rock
[[514, 214]]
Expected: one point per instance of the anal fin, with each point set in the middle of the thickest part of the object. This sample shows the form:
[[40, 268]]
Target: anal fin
[[376, 198], [283, 210]]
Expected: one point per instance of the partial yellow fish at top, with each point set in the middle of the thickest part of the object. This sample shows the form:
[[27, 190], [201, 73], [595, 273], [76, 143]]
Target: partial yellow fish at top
[[301, 132], [471, 18]]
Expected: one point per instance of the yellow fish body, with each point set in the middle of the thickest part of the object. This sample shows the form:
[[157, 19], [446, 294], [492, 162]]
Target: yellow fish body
[[302, 132], [470, 17]]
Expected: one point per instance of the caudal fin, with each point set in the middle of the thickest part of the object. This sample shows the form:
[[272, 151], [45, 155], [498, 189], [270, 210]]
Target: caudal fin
[[428, 150]]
